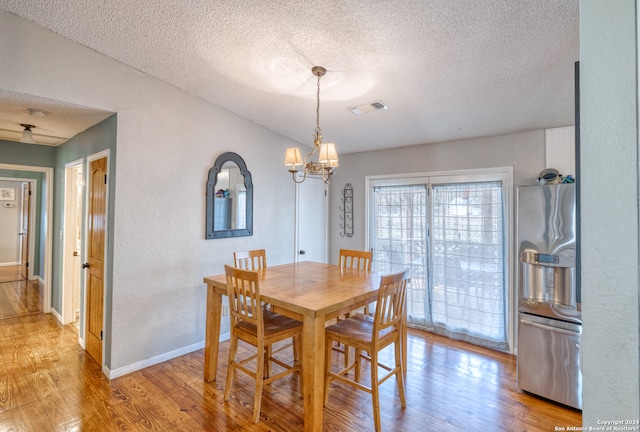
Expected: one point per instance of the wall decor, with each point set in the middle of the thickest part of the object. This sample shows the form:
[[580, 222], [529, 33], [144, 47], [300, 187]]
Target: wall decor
[[7, 194], [346, 211], [229, 198]]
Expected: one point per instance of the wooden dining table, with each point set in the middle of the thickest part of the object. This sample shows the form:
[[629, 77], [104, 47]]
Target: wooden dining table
[[310, 292]]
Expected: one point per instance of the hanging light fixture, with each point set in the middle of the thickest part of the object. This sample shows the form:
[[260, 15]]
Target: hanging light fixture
[[327, 155], [27, 135]]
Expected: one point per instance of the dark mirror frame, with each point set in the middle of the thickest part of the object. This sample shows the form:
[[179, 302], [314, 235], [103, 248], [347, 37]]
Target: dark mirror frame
[[211, 193]]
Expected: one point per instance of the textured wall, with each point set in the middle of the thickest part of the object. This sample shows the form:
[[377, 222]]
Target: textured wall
[[524, 152], [609, 209], [166, 142]]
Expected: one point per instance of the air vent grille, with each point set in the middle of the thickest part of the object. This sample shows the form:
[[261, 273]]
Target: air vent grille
[[368, 108]]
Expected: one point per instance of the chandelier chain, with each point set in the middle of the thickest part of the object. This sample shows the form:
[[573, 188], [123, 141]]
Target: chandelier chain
[[326, 153], [318, 108]]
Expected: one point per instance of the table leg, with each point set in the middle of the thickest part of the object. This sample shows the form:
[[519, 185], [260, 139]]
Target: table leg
[[313, 372], [212, 336]]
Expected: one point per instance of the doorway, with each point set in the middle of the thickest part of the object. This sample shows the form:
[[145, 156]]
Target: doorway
[[311, 220], [42, 190], [71, 260]]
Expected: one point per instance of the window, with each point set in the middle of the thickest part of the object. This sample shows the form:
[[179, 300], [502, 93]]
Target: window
[[450, 230]]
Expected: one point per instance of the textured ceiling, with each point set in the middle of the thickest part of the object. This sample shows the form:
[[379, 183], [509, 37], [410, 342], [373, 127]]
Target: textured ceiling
[[447, 69]]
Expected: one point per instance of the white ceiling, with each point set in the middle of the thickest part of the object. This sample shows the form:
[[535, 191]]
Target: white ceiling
[[447, 69]]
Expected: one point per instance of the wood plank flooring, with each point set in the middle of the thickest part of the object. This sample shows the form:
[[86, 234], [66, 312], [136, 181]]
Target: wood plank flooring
[[18, 296], [48, 383], [10, 273]]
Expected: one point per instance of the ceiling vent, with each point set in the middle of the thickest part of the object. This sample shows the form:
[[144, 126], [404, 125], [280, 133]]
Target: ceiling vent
[[368, 108]]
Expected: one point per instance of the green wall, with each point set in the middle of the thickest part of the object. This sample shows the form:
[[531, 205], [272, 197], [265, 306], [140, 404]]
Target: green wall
[[93, 140], [99, 137]]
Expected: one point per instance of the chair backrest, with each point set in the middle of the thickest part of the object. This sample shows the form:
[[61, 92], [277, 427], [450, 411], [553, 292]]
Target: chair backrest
[[391, 300], [356, 259], [250, 260], [243, 290]]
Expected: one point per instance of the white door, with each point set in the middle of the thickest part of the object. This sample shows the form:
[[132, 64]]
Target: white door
[[312, 220]]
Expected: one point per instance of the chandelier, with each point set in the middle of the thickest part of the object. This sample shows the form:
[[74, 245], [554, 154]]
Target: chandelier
[[327, 155]]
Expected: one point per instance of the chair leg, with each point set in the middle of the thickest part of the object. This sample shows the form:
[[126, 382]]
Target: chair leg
[[374, 390], [328, 351], [233, 349], [267, 364], [356, 373], [346, 355], [400, 374], [260, 371]]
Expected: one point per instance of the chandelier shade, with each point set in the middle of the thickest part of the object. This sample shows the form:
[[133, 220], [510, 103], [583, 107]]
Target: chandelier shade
[[327, 154], [293, 157], [27, 134]]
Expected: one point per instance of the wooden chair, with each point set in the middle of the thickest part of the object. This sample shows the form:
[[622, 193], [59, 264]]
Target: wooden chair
[[359, 260], [372, 334], [356, 259], [250, 260], [258, 327]]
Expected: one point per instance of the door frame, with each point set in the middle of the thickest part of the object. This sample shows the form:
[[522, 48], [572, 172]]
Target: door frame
[[67, 266], [47, 190], [31, 186], [32, 213], [84, 253]]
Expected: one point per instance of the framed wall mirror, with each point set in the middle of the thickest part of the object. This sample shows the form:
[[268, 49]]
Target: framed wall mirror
[[229, 198]]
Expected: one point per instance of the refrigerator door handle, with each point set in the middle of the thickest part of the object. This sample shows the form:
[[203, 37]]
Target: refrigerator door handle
[[548, 328]]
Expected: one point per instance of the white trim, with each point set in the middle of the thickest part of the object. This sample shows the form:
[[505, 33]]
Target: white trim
[[81, 328], [66, 266], [48, 226], [57, 315], [7, 264], [115, 373]]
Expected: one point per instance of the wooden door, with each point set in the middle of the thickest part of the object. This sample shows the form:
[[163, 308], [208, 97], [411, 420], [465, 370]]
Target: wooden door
[[97, 214], [24, 230]]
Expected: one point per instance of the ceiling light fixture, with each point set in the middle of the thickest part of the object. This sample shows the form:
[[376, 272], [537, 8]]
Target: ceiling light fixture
[[37, 112], [27, 135], [327, 155]]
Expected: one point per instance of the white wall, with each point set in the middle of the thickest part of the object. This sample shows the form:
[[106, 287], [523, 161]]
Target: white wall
[[609, 208], [166, 142], [525, 152], [10, 226]]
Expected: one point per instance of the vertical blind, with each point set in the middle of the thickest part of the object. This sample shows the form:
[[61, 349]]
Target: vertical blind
[[458, 278]]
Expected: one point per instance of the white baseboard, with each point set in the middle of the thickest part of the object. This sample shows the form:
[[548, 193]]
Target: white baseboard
[[56, 315], [115, 373], [7, 264]]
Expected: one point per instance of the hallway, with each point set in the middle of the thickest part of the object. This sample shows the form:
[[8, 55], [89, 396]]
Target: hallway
[[17, 295]]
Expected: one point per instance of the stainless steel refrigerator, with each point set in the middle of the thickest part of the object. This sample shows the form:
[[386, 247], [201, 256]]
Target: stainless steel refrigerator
[[549, 308]]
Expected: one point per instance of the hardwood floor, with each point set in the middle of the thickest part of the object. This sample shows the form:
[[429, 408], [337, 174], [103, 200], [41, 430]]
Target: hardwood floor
[[18, 296], [48, 383], [10, 273]]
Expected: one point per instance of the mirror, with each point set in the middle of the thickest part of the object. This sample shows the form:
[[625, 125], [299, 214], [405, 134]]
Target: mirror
[[229, 198]]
